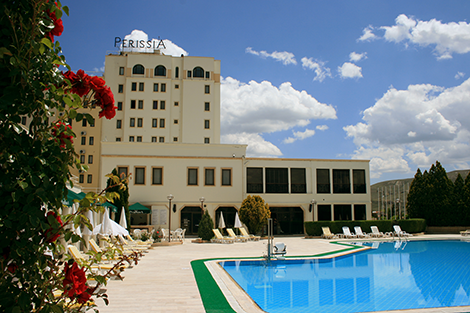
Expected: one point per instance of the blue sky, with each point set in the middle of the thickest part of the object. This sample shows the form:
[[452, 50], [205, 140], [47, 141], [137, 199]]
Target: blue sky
[[386, 81]]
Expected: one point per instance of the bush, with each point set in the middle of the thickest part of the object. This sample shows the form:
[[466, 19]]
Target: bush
[[254, 213], [205, 227]]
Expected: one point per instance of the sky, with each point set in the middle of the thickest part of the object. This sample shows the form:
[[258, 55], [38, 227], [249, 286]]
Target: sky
[[385, 81]]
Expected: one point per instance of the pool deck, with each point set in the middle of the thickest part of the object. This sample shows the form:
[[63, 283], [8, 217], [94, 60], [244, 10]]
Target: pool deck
[[163, 281]]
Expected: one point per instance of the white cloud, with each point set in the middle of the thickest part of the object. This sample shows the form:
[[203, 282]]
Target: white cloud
[[321, 72], [257, 146], [367, 34], [285, 57], [349, 70], [419, 125], [447, 38], [459, 75], [299, 136], [322, 127], [249, 110], [137, 36], [356, 57]]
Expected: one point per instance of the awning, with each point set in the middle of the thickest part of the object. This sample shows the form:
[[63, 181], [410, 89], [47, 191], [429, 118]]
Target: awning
[[139, 208], [110, 206], [73, 196]]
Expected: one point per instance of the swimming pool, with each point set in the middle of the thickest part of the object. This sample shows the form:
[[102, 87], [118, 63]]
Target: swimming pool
[[391, 276]]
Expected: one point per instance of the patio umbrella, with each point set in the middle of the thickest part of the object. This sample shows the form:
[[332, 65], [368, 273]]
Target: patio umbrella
[[123, 220], [238, 223], [221, 220], [109, 227], [86, 231]]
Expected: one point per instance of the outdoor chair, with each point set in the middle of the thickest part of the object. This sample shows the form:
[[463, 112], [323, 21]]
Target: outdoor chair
[[232, 235], [465, 232], [81, 260], [327, 234], [347, 233], [219, 238], [280, 248], [127, 246], [250, 236], [375, 232], [359, 233], [138, 242], [399, 232]]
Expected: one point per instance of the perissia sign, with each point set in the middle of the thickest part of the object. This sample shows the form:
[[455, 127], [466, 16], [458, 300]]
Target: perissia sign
[[139, 44]]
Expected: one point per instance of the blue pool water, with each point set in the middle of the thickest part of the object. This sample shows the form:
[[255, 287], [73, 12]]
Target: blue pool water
[[392, 276]]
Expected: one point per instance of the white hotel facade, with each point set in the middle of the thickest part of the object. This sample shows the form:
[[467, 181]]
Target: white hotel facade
[[166, 133]]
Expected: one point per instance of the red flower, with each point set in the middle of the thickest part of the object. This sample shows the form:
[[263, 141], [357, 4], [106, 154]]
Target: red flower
[[60, 134], [105, 100], [51, 234], [75, 283], [80, 82], [58, 25]]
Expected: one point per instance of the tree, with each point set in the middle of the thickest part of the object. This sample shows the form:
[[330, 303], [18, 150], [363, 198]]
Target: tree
[[254, 213], [439, 190], [414, 203], [122, 198], [458, 202], [205, 227]]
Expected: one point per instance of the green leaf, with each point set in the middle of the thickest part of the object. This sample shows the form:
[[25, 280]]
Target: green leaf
[[47, 42], [4, 51], [79, 117], [66, 9], [90, 118], [23, 184], [72, 114], [42, 49]]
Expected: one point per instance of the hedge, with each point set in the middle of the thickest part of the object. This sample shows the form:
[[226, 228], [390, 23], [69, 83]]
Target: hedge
[[416, 225]]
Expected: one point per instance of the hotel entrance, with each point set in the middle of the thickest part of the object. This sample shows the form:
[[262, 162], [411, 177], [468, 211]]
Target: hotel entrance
[[287, 220], [190, 218]]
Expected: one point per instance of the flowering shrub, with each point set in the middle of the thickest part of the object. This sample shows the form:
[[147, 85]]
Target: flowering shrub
[[36, 274]]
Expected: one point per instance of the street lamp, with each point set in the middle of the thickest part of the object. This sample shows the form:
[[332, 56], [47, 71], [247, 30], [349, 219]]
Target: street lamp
[[202, 203], [169, 197], [312, 207]]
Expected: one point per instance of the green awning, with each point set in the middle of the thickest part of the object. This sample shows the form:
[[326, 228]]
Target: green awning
[[73, 196], [139, 208], [110, 206]]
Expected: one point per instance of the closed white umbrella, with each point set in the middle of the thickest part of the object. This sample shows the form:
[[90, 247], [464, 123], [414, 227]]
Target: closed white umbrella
[[221, 220], [109, 227], [86, 231], [238, 223], [123, 219]]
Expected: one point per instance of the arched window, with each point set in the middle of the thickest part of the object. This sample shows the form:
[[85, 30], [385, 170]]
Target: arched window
[[177, 72], [138, 69], [198, 72], [160, 70]]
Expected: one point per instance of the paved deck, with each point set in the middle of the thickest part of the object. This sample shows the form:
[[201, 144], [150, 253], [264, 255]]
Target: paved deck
[[163, 280]]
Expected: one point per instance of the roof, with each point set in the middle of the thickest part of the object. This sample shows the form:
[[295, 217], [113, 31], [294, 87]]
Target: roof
[[138, 208]]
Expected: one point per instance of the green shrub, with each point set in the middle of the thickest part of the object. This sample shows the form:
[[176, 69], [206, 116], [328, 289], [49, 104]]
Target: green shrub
[[205, 227]]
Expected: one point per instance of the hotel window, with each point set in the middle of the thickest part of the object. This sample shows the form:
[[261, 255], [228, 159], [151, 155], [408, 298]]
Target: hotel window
[[323, 180], [82, 159], [132, 104], [207, 74], [23, 120], [175, 121], [189, 74], [207, 140], [198, 72], [155, 87], [177, 72], [254, 180], [134, 87], [207, 89], [226, 177], [84, 122], [324, 212], [209, 177], [92, 124], [90, 159], [139, 175], [298, 182], [177, 103], [141, 86], [342, 212], [89, 178], [192, 176], [121, 70], [175, 139], [162, 105], [161, 139], [154, 139], [162, 123], [277, 180], [132, 122], [359, 181], [163, 87], [360, 212], [131, 138], [139, 138], [154, 122], [140, 104], [118, 124], [157, 176], [122, 171], [160, 70], [140, 122], [207, 106], [177, 86], [119, 106], [138, 69], [91, 141], [341, 181], [118, 139], [120, 88], [207, 124], [81, 179], [155, 104], [83, 141]]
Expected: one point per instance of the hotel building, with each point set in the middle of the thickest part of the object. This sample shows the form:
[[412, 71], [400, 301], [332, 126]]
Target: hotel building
[[166, 134]]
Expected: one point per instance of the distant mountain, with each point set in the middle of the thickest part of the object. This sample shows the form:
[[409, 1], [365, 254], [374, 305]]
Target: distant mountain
[[390, 188]]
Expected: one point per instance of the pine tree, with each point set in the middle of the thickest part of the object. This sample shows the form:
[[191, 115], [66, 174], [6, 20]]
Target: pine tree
[[205, 227], [440, 189], [458, 204], [466, 200], [414, 203], [121, 201]]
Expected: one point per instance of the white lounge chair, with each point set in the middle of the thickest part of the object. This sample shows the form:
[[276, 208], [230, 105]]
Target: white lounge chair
[[347, 233], [219, 238], [399, 232], [376, 232], [249, 236], [359, 233], [465, 232], [280, 248], [232, 235], [327, 234]]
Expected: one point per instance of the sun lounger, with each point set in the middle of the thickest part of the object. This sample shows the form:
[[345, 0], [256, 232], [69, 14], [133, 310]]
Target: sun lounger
[[137, 242], [347, 233], [231, 234], [125, 244], [221, 239], [375, 232], [327, 234], [399, 232], [81, 260], [250, 236], [359, 233], [465, 232]]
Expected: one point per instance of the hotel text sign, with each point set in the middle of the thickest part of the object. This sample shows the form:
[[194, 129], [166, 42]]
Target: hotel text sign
[[130, 43]]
